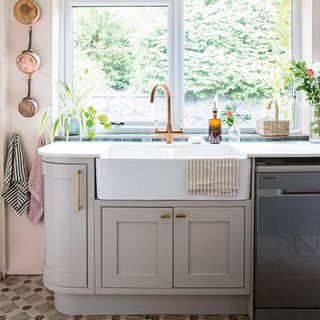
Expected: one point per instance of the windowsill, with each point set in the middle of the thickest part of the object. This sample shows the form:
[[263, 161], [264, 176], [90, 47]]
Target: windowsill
[[134, 137]]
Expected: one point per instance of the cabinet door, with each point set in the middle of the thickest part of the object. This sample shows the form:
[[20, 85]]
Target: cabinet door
[[65, 224], [136, 247], [209, 247]]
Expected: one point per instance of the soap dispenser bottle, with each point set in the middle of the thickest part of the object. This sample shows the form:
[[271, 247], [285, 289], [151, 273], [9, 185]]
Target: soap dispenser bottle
[[215, 126]]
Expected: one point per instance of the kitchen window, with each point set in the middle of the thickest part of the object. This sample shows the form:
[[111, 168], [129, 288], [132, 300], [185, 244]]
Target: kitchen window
[[236, 51]]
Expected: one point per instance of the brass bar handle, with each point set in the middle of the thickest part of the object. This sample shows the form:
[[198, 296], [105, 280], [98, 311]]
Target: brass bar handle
[[165, 216], [78, 207], [181, 215]]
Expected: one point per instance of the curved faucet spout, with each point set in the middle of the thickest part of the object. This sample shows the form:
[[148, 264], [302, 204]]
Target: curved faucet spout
[[168, 94], [169, 132]]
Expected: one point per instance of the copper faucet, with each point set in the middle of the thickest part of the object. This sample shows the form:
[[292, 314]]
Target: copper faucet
[[169, 133]]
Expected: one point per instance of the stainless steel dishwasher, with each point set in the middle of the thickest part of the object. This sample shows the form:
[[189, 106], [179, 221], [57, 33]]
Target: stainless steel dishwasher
[[287, 240]]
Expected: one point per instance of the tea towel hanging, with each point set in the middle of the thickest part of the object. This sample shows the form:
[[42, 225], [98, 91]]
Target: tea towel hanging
[[36, 185], [213, 176], [15, 187]]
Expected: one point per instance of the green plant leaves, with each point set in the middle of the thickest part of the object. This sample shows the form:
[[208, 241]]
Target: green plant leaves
[[107, 125], [71, 111], [90, 123], [92, 110], [91, 134], [103, 118], [55, 128]]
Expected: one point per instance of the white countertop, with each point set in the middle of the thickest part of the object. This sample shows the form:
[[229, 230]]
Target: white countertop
[[83, 149], [251, 149], [290, 149]]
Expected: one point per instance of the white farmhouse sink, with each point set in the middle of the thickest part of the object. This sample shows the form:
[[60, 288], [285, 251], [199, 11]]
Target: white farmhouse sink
[[157, 171]]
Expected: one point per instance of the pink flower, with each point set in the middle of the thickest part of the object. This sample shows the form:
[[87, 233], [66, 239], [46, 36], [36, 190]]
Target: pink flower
[[229, 114], [310, 72]]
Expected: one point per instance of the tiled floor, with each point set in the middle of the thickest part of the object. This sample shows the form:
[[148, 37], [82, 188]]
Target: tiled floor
[[25, 298]]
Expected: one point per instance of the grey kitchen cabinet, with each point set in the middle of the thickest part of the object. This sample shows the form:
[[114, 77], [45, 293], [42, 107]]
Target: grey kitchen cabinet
[[209, 246], [180, 247], [136, 247], [65, 206]]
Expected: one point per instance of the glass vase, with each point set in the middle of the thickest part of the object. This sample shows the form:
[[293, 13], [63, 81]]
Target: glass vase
[[314, 133], [74, 127], [234, 134]]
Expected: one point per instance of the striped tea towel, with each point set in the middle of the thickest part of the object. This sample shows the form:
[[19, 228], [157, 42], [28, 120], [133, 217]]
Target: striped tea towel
[[15, 186], [213, 176]]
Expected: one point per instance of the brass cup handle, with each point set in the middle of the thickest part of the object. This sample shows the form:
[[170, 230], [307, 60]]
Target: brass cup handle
[[78, 207], [165, 216], [181, 215]]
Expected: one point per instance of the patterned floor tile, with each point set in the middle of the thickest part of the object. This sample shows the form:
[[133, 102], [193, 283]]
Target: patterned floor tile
[[21, 316], [97, 318], [59, 316], [213, 317], [21, 290], [174, 317], [10, 309], [32, 298], [47, 308], [26, 298]]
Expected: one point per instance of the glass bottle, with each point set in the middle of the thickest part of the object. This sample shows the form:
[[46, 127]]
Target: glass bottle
[[215, 127]]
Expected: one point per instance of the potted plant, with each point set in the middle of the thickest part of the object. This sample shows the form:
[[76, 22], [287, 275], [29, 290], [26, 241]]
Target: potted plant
[[231, 117], [307, 80], [92, 119], [71, 117]]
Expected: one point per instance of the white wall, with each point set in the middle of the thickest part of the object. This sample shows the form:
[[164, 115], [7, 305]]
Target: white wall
[[3, 121], [25, 241]]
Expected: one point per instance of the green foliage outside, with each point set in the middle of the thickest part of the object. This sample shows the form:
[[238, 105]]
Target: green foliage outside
[[240, 48]]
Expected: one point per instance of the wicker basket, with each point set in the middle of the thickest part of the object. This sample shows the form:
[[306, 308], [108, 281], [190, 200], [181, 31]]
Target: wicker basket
[[273, 128]]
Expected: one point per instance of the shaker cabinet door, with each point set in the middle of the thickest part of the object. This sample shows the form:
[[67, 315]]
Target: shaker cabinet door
[[65, 220], [136, 249], [209, 247]]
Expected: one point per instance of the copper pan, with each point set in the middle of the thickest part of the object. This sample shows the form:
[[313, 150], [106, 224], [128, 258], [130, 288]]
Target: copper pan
[[28, 107], [27, 11], [28, 61]]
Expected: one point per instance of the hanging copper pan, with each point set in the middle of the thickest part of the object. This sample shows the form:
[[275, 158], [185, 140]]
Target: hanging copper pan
[[27, 11], [28, 61], [28, 107]]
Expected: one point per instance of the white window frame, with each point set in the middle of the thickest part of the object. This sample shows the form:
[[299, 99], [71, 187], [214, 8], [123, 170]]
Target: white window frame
[[175, 55], [175, 49]]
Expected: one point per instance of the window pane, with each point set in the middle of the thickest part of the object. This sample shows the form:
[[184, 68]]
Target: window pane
[[239, 50], [116, 55]]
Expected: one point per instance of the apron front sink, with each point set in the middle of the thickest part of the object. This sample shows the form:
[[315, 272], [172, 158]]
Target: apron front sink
[[157, 171]]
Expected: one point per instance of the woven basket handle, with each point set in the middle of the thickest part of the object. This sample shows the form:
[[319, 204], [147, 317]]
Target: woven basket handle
[[276, 108]]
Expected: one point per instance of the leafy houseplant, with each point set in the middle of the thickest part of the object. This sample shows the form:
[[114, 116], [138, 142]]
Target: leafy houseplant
[[71, 113], [92, 118], [307, 80]]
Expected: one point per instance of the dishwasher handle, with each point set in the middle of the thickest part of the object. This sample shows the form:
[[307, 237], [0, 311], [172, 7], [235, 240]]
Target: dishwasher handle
[[287, 192], [299, 191]]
